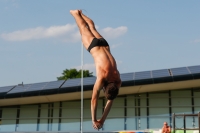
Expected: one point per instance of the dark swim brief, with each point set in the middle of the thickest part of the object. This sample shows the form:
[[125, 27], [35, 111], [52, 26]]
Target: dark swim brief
[[97, 42]]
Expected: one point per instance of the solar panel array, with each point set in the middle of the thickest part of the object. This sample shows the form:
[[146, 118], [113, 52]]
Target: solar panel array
[[89, 80], [126, 77], [137, 76], [20, 89], [72, 83], [179, 71], [37, 86], [142, 75], [53, 85], [194, 69], [160, 73], [6, 89]]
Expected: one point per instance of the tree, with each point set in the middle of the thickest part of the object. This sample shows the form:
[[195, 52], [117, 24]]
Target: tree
[[73, 73]]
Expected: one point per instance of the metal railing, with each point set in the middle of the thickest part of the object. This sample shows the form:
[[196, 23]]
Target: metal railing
[[184, 122]]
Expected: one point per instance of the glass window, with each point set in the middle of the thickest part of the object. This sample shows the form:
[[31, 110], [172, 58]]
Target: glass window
[[158, 109], [143, 112], [131, 117], [87, 121], [131, 120], [8, 121], [70, 116], [43, 125], [196, 106], [115, 120], [197, 101], [28, 118], [55, 119], [181, 104]]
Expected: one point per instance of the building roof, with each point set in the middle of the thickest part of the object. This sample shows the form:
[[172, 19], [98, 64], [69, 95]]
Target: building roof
[[73, 86]]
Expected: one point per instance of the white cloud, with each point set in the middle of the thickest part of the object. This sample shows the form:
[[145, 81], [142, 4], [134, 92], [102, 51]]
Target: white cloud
[[86, 67], [73, 37], [66, 33], [197, 41], [39, 33], [10, 4], [15, 4], [110, 32], [90, 67], [29, 55]]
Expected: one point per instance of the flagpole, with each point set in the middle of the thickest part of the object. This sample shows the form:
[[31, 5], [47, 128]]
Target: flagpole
[[81, 88], [82, 57]]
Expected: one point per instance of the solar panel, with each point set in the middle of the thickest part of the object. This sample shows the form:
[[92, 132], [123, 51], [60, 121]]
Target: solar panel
[[126, 76], [160, 73], [72, 83], [53, 85], [5, 89], [142, 75], [37, 86], [179, 71], [89, 80], [20, 89], [194, 69]]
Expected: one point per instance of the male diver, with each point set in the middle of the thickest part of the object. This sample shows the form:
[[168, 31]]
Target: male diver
[[108, 77]]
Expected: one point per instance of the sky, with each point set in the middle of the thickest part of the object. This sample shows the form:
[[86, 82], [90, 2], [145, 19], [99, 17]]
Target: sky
[[40, 39]]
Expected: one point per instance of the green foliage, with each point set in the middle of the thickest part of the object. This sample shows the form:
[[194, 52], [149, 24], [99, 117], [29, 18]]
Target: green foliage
[[73, 73]]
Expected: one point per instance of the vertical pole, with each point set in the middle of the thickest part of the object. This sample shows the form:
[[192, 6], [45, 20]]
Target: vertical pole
[[38, 118], [170, 109], [174, 125], [139, 109], [82, 57], [52, 110], [147, 100], [136, 111], [49, 109], [193, 111], [125, 112], [81, 88], [60, 115], [199, 120], [17, 120], [184, 124]]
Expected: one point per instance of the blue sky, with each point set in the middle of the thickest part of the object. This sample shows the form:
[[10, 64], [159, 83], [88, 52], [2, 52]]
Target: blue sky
[[39, 39]]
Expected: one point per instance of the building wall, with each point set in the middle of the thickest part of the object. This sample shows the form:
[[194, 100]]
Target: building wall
[[129, 112]]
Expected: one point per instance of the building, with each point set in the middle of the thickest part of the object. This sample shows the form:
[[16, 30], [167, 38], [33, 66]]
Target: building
[[146, 99]]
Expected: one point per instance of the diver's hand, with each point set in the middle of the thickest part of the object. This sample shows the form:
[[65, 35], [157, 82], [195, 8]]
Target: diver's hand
[[97, 124]]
